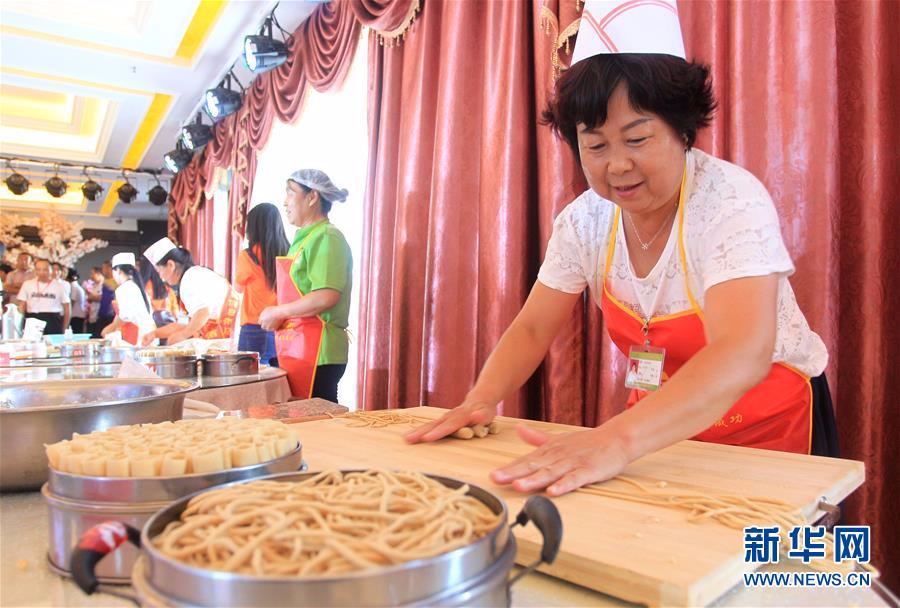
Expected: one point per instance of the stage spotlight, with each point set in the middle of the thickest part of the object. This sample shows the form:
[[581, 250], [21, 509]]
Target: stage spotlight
[[157, 194], [222, 101], [91, 189], [16, 182], [127, 193], [263, 53], [55, 186], [196, 135], [177, 159]]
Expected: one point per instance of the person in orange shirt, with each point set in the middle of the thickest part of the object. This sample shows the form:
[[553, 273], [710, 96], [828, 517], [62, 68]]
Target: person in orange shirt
[[256, 277], [163, 300]]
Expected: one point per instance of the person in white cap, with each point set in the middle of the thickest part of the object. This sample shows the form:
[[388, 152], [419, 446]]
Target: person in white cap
[[313, 286], [207, 297], [683, 254], [134, 317]]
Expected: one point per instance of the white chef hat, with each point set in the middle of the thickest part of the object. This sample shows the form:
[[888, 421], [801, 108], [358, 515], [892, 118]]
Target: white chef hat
[[123, 259], [628, 26], [159, 249]]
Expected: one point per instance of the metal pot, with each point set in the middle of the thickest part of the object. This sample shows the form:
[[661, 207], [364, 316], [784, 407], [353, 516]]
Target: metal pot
[[476, 574], [173, 366], [117, 354], [36, 413], [76, 503], [83, 352], [231, 364]]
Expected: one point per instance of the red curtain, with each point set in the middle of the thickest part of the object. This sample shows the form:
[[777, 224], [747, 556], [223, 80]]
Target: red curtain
[[321, 52], [463, 187]]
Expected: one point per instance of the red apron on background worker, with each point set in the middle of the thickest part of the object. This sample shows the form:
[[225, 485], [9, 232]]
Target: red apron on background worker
[[133, 314], [682, 252], [313, 289], [210, 304]]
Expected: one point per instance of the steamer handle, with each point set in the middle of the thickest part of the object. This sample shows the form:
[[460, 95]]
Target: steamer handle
[[94, 545], [545, 515]]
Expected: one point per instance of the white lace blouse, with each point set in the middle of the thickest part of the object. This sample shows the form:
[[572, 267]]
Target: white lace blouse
[[731, 230]]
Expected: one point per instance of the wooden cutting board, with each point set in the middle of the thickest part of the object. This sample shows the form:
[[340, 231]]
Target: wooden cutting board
[[633, 551]]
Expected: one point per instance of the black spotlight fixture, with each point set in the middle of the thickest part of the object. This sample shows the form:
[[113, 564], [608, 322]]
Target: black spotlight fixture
[[222, 100], [177, 159], [16, 182], [196, 135], [55, 186], [127, 192], [157, 194], [91, 189], [263, 52]]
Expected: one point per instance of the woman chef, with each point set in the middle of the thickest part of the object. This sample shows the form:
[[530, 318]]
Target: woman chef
[[683, 254], [133, 313], [207, 298], [313, 289]]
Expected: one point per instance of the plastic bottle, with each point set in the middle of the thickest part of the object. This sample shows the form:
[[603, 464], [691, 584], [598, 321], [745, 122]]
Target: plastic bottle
[[11, 329]]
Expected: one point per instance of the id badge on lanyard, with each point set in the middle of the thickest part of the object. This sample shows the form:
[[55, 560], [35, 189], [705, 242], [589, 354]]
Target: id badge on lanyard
[[645, 364]]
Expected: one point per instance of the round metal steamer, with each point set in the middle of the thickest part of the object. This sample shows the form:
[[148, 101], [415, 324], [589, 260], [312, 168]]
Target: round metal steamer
[[76, 503], [231, 364], [172, 366], [33, 414], [476, 574], [117, 354]]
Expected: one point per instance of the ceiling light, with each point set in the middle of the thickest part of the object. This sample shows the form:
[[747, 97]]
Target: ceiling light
[[91, 189], [222, 101], [177, 159], [196, 135], [126, 191], [16, 182], [157, 194], [55, 186]]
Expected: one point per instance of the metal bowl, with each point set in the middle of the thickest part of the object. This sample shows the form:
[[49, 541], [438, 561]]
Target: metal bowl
[[36, 413]]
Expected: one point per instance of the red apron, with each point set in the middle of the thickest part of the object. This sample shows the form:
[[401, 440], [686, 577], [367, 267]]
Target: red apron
[[223, 326], [299, 339], [129, 331], [776, 414]]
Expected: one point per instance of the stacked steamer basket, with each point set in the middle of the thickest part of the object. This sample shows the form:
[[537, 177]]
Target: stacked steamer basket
[[171, 362], [219, 364], [33, 414], [328, 539], [87, 488]]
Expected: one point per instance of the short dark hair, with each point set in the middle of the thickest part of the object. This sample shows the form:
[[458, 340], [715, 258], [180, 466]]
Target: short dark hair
[[678, 91], [180, 256]]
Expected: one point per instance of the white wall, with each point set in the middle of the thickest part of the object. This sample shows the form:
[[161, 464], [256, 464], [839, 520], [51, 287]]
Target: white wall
[[330, 134]]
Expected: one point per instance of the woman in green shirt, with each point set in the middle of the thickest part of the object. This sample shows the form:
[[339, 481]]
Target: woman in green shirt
[[313, 289]]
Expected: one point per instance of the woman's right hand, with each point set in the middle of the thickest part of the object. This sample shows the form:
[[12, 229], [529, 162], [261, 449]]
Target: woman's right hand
[[469, 412]]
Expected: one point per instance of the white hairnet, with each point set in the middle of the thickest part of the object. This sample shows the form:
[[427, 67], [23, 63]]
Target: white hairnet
[[320, 182]]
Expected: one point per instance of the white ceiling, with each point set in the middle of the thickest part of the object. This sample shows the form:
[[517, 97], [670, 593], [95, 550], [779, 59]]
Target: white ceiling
[[111, 82]]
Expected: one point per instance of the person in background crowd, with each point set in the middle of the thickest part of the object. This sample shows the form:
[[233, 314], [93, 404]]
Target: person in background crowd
[[45, 298], [93, 288], [211, 304], [266, 241], [106, 314], [78, 322], [163, 300], [133, 315], [59, 273], [314, 284], [17, 277]]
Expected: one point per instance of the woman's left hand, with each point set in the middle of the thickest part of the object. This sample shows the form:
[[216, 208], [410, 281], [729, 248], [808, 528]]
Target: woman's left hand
[[270, 318], [564, 462]]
